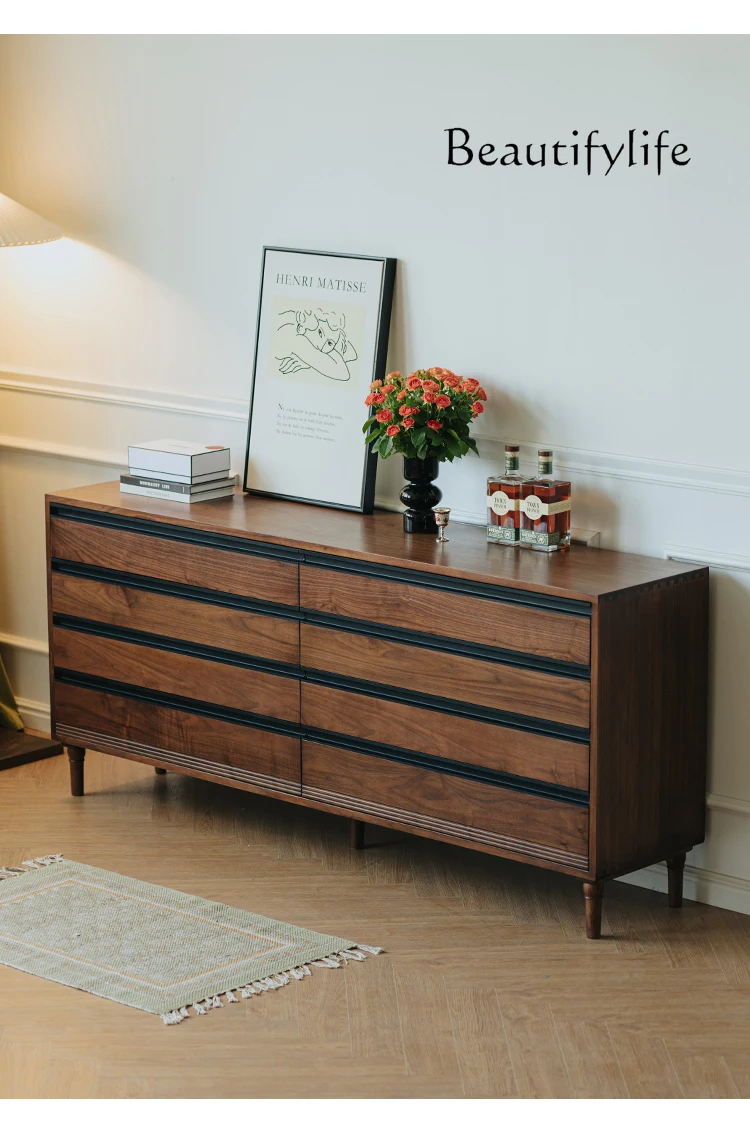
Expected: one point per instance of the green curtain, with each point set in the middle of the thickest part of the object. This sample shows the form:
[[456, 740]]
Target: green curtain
[[9, 717]]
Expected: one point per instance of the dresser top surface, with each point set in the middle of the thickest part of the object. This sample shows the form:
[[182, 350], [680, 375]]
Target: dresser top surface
[[581, 572]]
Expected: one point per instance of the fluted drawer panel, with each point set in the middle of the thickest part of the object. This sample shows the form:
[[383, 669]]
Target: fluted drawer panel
[[462, 740], [528, 825], [506, 688], [254, 634], [161, 670], [501, 625], [207, 567]]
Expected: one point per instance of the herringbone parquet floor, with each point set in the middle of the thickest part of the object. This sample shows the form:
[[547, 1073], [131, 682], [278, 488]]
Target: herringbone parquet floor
[[488, 986]]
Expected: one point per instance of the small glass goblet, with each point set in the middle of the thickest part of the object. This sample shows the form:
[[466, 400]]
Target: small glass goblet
[[442, 517]]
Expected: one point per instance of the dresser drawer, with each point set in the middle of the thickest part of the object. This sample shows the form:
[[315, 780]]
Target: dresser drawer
[[192, 677], [254, 634], [379, 660], [228, 571], [178, 739], [456, 738], [501, 625], [464, 809]]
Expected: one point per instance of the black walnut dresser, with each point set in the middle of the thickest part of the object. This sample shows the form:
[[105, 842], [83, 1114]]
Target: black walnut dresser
[[550, 709]]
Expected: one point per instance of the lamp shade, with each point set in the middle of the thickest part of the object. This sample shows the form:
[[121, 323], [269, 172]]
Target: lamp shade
[[19, 226]]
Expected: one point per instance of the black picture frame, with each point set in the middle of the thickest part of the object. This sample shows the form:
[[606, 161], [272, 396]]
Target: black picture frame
[[371, 369]]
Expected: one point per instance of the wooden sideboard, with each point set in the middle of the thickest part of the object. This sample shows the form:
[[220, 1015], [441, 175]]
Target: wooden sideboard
[[550, 709]]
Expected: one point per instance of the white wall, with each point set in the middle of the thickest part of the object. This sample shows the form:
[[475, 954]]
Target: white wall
[[605, 316]]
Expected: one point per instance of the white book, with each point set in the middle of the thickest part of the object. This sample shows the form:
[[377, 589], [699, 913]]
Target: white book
[[194, 480], [171, 496], [177, 457]]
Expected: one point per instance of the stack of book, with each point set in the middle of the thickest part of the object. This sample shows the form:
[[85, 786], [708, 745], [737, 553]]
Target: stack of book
[[179, 471]]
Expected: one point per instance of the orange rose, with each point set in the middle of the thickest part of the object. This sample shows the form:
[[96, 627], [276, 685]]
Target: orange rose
[[434, 424], [394, 376], [392, 430], [384, 416], [378, 398], [430, 386], [477, 408], [403, 394], [371, 399], [413, 383], [481, 393], [407, 410], [375, 385], [442, 400], [429, 397], [388, 389], [470, 385], [451, 382], [408, 423]]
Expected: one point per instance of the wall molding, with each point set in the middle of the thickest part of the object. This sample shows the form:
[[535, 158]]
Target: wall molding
[[596, 464], [28, 644], [62, 451], [151, 399], [713, 558]]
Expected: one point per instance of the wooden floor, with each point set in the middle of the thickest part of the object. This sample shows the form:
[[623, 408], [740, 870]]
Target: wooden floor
[[488, 986]]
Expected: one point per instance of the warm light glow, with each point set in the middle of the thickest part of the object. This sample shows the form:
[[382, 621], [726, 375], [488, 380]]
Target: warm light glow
[[19, 226]]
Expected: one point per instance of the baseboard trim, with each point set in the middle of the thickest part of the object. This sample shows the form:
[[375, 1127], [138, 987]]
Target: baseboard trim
[[35, 714], [708, 886]]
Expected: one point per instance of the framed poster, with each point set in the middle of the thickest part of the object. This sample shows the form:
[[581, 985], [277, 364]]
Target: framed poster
[[322, 338]]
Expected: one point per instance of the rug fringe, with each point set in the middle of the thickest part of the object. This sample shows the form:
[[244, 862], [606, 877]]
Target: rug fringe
[[267, 984], [29, 864]]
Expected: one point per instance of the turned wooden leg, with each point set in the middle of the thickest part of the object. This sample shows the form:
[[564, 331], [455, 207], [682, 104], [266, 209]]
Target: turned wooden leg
[[160, 771], [356, 834], [675, 867], [593, 892], [76, 757]]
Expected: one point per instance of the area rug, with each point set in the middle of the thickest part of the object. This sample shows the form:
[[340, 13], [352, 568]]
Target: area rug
[[147, 946]]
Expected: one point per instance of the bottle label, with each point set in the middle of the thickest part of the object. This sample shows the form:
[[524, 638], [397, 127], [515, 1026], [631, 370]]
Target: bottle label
[[534, 508], [500, 503], [504, 534], [539, 538], [545, 468]]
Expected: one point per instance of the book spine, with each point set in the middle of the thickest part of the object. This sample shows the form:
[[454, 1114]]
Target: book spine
[[151, 492], [156, 484]]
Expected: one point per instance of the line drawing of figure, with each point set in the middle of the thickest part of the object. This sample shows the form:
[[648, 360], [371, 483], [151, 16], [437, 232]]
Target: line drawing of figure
[[314, 339]]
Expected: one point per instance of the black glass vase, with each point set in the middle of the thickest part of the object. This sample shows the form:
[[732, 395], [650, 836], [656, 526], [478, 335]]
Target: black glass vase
[[419, 496]]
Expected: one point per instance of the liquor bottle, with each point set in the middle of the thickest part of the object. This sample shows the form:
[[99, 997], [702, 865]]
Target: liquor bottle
[[545, 510], [504, 494]]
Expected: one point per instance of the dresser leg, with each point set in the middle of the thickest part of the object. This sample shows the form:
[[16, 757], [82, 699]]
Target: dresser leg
[[76, 757], [675, 867], [160, 771], [356, 834], [593, 892]]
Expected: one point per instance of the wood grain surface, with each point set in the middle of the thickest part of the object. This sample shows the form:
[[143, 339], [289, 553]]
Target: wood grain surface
[[493, 746], [535, 631], [533, 822], [149, 725], [223, 570], [581, 572], [453, 676], [210, 681], [254, 634], [485, 956]]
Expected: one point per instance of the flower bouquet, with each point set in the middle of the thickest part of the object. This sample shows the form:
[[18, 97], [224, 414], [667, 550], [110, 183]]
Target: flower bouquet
[[425, 417]]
